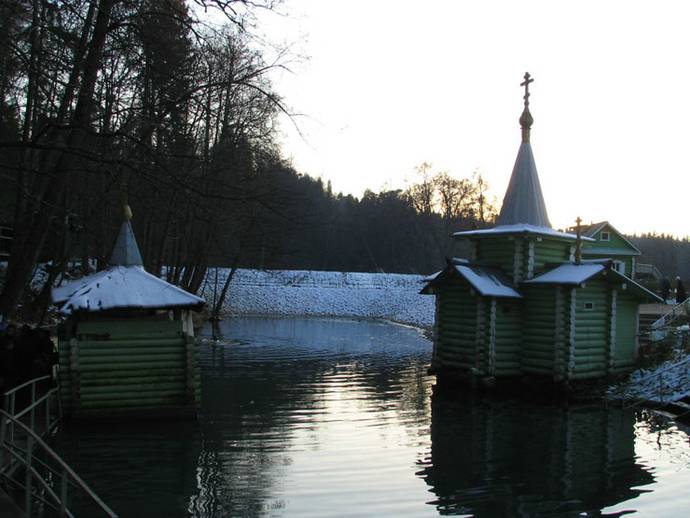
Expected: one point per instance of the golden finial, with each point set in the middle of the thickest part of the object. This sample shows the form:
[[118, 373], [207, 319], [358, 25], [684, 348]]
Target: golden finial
[[526, 119], [128, 212]]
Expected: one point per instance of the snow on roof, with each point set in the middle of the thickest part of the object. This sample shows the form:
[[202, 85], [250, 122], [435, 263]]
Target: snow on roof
[[431, 277], [519, 228], [569, 273], [524, 201], [489, 282], [122, 287]]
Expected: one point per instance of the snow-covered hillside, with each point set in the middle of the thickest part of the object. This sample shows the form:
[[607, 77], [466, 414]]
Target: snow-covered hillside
[[357, 295]]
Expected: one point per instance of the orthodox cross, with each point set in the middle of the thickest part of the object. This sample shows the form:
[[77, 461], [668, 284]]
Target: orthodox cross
[[525, 83], [526, 119]]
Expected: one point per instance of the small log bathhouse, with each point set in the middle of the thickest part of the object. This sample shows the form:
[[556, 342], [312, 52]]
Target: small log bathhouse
[[127, 346], [527, 303]]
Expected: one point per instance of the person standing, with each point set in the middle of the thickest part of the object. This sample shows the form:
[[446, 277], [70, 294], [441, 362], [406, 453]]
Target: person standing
[[680, 291], [665, 288]]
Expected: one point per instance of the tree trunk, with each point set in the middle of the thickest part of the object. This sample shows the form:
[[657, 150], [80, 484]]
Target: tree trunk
[[57, 170]]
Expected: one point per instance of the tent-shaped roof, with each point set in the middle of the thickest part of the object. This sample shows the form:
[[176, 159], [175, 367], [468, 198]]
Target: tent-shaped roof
[[487, 281], [523, 201], [126, 251], [122, 287]]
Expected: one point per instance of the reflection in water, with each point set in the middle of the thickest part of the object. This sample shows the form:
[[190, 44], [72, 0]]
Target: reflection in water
[[310, 417], [513, 458], [301, 410]]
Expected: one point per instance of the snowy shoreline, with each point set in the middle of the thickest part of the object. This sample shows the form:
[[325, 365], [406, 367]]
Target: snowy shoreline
[[377, 296]]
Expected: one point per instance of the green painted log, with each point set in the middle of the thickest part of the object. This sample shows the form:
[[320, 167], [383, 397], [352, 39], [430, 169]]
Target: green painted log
[[123, 359], [125, 405], [591, 345], [117, 393], [456, 352], [456, 324], [129, 366], [131, 352], [457, 355], [593, 364], [463, 319], [458, 348], [532, 334], [536, 358], [95, 375], [532, 356], [544, 352], [457, 307], [88, 344], [132, 381], [179, 371], [457, 336], [141, 388], [505, 350], [458, 365]]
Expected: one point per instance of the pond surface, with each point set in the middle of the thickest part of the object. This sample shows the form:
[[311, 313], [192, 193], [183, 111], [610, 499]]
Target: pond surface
[[315, 417]]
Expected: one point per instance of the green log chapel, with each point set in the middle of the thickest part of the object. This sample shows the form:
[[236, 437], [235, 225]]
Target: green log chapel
[[534, 301]]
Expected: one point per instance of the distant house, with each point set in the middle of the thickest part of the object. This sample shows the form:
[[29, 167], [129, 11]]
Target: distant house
[[533, 300], [610, 243]]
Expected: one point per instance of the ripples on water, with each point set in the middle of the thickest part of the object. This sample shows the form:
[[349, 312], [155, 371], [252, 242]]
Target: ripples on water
[[310, 417]]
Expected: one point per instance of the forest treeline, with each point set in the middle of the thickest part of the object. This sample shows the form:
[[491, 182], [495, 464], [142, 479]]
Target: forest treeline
[[669, 254], [107, 102]]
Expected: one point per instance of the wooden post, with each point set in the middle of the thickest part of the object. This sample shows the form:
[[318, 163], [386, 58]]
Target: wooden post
[[612, 330], [559, 337], [74, 373], [190, 344], [571, 334], [578, 242], [480, 337], [491, 364]]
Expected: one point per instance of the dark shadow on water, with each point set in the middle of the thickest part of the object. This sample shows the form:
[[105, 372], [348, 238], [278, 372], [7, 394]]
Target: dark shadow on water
[[492, 458]]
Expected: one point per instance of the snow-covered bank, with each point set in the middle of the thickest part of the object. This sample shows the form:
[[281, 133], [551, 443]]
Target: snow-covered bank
[[356, 295], [665, 383]]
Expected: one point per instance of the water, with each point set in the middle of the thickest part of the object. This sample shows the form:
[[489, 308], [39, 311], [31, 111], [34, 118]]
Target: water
[[311, 417]]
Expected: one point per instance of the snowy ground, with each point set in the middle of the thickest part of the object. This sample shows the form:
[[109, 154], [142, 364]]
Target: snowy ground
[[356, 295], [668, 382]]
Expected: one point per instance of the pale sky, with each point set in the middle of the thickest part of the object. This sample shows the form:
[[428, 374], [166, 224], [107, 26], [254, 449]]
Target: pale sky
[[390, 84]]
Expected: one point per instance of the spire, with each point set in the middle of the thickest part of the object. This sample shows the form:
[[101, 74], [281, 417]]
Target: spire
[[524, 201], [126, 251]]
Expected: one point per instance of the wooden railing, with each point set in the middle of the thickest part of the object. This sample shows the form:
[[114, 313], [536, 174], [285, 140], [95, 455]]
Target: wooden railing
[[679, 310], [29, 466]]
